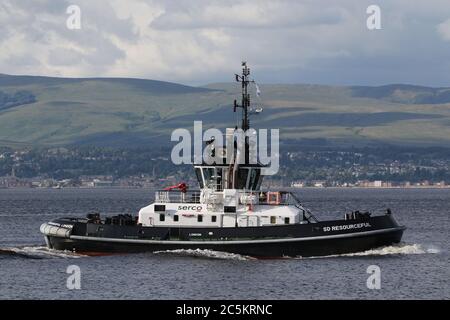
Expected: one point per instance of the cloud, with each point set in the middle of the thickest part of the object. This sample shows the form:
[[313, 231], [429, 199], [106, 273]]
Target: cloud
[[61, 56], [38, 29], [245, 14], [204, 41], [444, 30]]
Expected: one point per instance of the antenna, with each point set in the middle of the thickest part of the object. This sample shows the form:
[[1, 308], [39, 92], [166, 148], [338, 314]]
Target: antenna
[[244, 80]]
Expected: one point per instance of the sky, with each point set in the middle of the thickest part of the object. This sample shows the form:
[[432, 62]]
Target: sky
[[204, 41]]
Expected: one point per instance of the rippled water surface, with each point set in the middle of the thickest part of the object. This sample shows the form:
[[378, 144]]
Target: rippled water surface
[[417, 268]]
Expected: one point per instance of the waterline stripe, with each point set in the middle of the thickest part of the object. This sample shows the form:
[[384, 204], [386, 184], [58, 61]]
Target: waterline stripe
[[337, 236]]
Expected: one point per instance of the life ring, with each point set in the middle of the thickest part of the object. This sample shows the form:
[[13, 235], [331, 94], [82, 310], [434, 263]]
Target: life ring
[[273, 197]]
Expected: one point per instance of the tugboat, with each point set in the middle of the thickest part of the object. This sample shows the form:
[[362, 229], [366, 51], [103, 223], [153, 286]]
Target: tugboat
[[230, 212]]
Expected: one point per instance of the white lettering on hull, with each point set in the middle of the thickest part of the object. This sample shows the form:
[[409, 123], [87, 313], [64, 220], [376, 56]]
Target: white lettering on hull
[[347, 227]]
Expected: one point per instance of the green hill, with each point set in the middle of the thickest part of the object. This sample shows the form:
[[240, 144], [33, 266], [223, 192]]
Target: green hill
[[131, 112]]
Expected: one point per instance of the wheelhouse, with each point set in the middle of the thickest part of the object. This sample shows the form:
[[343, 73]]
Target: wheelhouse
[[218, 178]]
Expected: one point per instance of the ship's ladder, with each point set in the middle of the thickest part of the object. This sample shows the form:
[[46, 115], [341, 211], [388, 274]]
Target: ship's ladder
[[307, 214]]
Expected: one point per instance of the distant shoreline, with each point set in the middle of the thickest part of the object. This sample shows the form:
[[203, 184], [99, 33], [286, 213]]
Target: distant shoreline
[[356, 187], [290, 188]]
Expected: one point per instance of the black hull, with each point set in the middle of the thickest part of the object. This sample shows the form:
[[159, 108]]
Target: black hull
[[309, 248], [305, 241]]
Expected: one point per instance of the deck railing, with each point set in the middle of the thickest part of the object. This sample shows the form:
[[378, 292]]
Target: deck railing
[[265, 197], [176, 196], [278, 198]]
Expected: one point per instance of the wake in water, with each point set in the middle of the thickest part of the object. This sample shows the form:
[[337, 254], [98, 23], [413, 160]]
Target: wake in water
[[42, 252], [398, 249], [38, 252], [205, 253]]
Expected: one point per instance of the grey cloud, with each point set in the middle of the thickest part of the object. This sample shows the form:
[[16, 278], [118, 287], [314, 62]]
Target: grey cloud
[[22, 60], [254, 14], [203, 41], [38, 22], [64, 57], [97, 14], [104, 18]]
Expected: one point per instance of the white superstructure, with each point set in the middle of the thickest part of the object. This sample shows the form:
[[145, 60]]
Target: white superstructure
[[212, 214], [215, 206]]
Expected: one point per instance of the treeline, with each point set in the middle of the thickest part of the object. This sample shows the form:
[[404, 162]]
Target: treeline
[[69, 163], [389, 163], [9, 100], [394, 164]]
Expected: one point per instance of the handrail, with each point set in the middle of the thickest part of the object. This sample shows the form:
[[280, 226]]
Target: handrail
[[299, 205], [193, 196], [172, 196]]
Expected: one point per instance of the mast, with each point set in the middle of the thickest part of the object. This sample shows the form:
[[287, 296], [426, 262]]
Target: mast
[[244, 80]]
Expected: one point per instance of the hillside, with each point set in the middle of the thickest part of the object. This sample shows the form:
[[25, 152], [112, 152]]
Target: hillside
[[131, 112]]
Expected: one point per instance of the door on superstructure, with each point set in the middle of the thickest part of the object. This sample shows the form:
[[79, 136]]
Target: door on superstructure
[[253, 221], [243, 221], [228, 220]]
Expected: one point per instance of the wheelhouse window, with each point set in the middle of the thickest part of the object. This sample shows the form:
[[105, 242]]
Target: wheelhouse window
[[175, 218], [198, 173], [209, 175], [162, 217], [200, 218], [286, 220], [273, 219], [241, 178], [213, 178], [254, 179], [219, 178], [213, 218]]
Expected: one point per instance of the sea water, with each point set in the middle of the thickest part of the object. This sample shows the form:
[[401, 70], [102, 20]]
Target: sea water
[[417, 268]]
